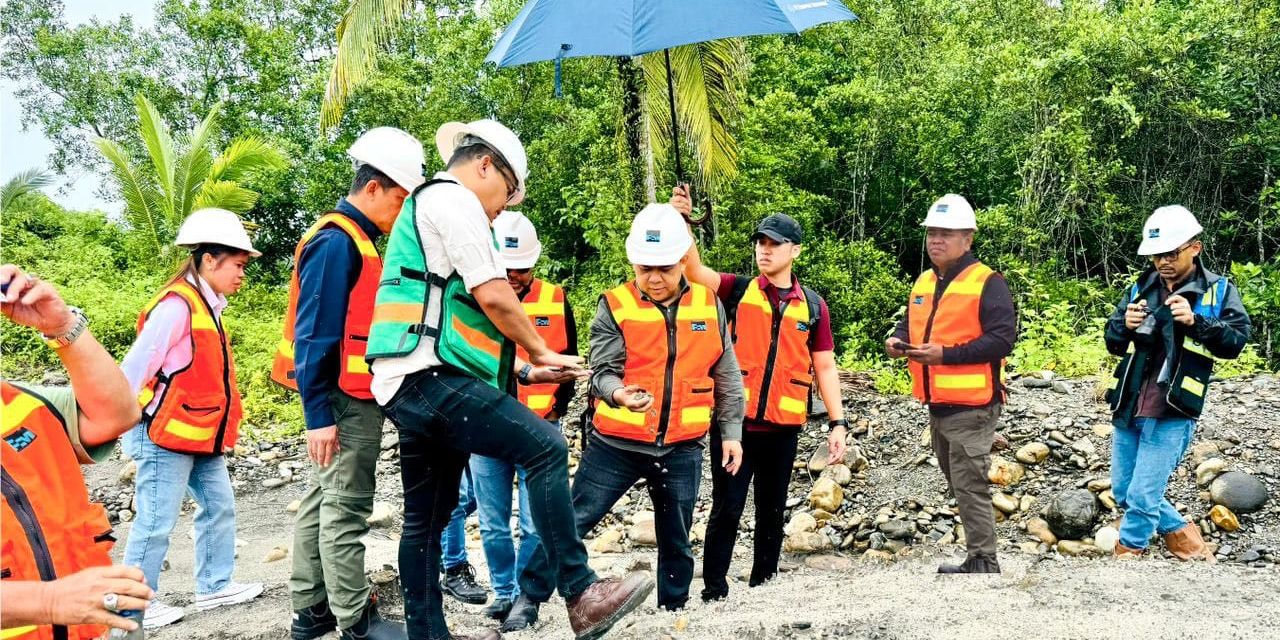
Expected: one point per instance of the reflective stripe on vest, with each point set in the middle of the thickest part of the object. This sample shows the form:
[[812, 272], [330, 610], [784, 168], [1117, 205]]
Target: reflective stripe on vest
[[51, 529], [773, 353], [544, 304], [672, 362], [353, 373], [950, 320], [199, 409]]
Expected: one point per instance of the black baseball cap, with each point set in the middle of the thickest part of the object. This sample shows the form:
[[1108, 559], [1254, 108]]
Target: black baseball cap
[[780, 227]]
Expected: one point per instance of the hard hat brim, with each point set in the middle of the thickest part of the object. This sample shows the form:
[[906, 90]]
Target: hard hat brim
[[646, 256]]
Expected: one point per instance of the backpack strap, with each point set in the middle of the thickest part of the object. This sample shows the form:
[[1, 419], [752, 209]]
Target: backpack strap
[[740, 286]]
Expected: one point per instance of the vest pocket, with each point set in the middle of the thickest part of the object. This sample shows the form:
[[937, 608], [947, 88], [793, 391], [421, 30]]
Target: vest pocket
[[697, 397]]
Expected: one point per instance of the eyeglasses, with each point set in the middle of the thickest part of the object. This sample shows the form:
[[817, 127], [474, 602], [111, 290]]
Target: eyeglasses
[[509, 177], [1171, 256]]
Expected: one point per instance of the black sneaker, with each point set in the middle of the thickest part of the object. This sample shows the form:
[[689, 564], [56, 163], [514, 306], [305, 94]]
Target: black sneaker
[[524, 612], [499, 608], [312, 622], [973, 564], [372, 626], [460, 582]]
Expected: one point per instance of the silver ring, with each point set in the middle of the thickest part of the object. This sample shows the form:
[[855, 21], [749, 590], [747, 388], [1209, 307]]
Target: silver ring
[[111, 602]]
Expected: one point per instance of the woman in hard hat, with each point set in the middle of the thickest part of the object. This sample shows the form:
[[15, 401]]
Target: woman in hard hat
[[182, 369]]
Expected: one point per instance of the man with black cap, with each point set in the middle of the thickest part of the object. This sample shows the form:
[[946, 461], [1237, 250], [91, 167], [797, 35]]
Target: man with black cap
[[782, 334]]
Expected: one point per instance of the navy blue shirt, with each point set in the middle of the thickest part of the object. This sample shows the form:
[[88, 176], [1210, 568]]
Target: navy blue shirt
[[327, 272]]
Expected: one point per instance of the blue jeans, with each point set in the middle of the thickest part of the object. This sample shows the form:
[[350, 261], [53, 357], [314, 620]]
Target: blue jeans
[[604, 475], [163, 480], [453, 542], [1143, 455], [492, 479]]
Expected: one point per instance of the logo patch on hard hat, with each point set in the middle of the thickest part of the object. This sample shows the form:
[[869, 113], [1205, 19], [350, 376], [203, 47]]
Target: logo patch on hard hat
[[511, 242], [942, 208], [1153, 233], [653, 235], [20, 439], [699, 325], [542, 321]]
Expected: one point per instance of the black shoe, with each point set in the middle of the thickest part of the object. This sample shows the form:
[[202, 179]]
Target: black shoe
[[372, 626], [973, 564], [499, 608], [460, 582], [524, 612], [711, 595], [312, 622]]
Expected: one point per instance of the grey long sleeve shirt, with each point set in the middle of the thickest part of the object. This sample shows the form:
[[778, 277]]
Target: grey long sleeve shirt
[[609, 355]]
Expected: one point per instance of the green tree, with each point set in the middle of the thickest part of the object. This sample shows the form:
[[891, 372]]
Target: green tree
[[183, 175], [22, 184]]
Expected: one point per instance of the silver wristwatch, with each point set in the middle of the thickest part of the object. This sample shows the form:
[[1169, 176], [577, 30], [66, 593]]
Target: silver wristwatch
[[64, 339]]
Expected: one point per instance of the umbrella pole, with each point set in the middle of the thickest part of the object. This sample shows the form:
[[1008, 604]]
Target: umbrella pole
[[675, 127]]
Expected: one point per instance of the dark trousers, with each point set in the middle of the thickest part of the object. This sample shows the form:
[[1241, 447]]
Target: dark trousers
[[767, 458], [962, 442], [443, 418], [604, 475]]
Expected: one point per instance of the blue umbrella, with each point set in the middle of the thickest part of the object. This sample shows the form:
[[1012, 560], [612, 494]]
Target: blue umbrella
[[558, 29]]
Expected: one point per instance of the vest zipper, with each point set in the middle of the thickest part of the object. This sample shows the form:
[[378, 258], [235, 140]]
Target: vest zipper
[[226, 379], [665, 420], [928, 331], [23, 511], [768, 365]]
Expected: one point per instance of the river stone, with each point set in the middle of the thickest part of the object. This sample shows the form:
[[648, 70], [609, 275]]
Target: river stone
[[1071, 513], [1223, 517], [801, 523], [1209, 469], [1004, 472], [1106, 539], [1005, 502], [128, 472], [898, 529], [826, 495], [1032, 453], [1239, 492], [840, 473]]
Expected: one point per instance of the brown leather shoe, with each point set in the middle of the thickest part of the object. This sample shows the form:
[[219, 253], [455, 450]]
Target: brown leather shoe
[[1187, 544], [594, 611], [1122, 552]]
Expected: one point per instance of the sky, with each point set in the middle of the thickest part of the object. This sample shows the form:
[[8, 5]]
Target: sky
[[21, 150]]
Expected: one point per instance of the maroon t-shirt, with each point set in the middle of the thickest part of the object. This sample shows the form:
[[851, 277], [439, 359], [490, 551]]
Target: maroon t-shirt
[[820, 338]]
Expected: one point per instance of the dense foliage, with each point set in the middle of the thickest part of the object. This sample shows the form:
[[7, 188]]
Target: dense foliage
[[1064, 126]]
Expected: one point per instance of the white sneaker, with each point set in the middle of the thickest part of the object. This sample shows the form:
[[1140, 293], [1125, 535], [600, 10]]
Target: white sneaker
[[234, 593], [159, 614]]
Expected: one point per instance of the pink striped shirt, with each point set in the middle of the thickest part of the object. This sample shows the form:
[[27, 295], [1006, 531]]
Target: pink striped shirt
[[164, 344]]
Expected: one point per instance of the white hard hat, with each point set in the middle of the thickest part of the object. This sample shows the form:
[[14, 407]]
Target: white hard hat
[[659, 237], [951, 212], [517, 240], [393, 152], [1167, 229], [216, 226], [496, 135]]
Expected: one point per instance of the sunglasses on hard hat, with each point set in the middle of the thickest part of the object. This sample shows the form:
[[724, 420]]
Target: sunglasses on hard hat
[[499, 163], [1171, 256]]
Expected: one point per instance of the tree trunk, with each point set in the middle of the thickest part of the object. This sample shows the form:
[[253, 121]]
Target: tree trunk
[[634, 128]]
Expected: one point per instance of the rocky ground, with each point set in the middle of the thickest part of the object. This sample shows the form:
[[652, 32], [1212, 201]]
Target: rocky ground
[[865, 536]]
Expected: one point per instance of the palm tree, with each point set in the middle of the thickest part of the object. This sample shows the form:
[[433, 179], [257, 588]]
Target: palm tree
[[184, 175], [707, 79], [30, 180]]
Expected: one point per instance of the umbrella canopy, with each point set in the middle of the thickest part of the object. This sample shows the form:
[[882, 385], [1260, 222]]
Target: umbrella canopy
[[550, 29]]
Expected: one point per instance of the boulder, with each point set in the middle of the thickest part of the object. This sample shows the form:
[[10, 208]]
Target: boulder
[[1032, 453], [1239, 492], [1106, 539], [1004, 472], [806, 542], [840, 473], [1005, 502], [801, 523], [1208, 470], [826, 495], [1070, 514], [898, 530], [644, 533]]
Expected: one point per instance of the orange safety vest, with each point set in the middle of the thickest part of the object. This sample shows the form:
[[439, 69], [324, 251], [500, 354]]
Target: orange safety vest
[[949, 321], [199, 410], [671, 361], [353, 373], [544, 304], [51, 530], [773, 353]]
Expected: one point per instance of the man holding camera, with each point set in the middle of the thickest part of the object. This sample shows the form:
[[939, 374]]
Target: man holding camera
[[1168, 328]]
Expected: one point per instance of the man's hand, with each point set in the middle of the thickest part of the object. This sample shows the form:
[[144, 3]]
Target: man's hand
[[32, 303], [633, 397], [893, 348], [835, 445], [77, 598], [1182, 313], [680, 200], [556, 375], [549, 358], [1134, 314], [928, 353], [731, 456], [322, 444]]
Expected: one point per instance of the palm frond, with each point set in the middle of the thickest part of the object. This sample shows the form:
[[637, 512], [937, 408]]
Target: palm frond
[[708, 79], [225, 194], [246, 157], [366, 25], [141, 209], [155, 134], [193, 165], [22, 184]]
